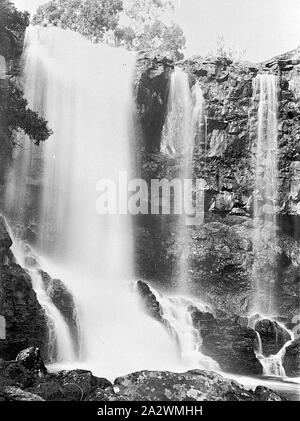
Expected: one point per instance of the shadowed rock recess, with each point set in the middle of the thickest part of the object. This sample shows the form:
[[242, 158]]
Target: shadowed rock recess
[[220, 251]]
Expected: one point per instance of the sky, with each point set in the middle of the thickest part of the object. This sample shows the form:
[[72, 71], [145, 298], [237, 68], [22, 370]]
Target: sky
[[264, 28]]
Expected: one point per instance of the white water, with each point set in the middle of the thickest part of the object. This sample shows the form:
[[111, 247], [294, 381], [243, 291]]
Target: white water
[[61, 347], [185, 116], [272, 364], [176, 314], [84, 90], [2, 67], [265, 195], [60, 344]]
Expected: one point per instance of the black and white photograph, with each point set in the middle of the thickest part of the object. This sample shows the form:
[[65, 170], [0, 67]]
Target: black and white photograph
[[149, 207]]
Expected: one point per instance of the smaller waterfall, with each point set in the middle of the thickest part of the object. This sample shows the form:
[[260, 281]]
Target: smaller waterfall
[[183, 129], [272, 364], [60, 346], [177, 317], [60, 343], [2, 67], [178, 136], [265, 195]]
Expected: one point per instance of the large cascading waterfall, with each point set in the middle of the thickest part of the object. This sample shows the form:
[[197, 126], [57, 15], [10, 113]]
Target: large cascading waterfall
[[84, 90], [185, 115], [265, 195]]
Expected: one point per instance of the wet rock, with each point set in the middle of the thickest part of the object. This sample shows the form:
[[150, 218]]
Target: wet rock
[[13, 373], [291, 360], [272, 335], [151, 304], [25, 319], [5, 239], [152, 83], [229, 342], [194, 385], [264, 394], [74, 385], [17, 394], [32, 360]]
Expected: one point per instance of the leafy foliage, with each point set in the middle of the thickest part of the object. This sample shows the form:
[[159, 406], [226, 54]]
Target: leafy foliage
[[12, 26], [91, 18], [15, 114], [14, 111], [135, 24], [224, 51]]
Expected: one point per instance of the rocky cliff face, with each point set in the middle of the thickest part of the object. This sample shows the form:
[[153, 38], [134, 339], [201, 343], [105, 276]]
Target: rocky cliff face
[[221, 250]]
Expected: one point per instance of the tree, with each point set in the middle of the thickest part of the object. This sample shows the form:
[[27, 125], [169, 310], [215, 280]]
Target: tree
[[91, 18], [224, 51], [14, 111], [143, 26], [12, 27], [146, 27]]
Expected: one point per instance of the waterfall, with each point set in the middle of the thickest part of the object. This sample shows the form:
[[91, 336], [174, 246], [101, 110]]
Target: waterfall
[[184, 125], [176, 313], [60, 343], [178, 136], [2, 67], [84, 90], [265, 195], [272, 364]]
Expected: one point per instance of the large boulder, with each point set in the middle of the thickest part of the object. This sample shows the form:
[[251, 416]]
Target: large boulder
[[194, 385]]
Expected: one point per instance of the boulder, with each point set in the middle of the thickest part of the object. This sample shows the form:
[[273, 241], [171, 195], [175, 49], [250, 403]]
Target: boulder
[[16, 394], [194, 385], [229, 342], [32, 360], [291, 359], [74, 385]]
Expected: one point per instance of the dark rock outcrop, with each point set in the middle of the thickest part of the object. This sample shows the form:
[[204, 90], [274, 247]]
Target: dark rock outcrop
[[291, 359], [229, 342], [31, 359], [151, 304], [64, 301], [152, 85], [272, 335]]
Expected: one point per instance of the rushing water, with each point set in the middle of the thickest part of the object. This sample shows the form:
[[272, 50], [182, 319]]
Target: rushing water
[[176, 315], [60, 343], [265, 195], [85, 92], [183, 126]]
